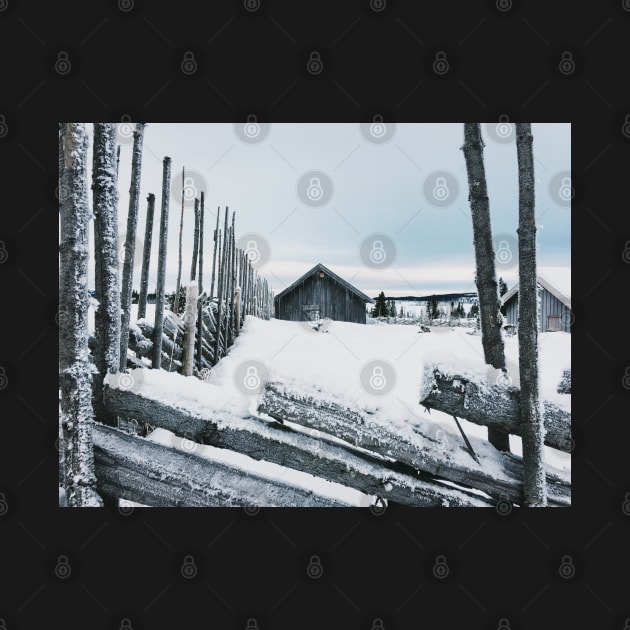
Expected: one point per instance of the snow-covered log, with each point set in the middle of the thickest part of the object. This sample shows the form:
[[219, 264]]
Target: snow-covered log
[[498, 474], [490, 405], [76, 412], [141, 342], [277, 444], [135, 469]]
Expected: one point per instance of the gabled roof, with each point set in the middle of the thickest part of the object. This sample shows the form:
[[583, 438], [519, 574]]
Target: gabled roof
[[334, 276], [565, 299]]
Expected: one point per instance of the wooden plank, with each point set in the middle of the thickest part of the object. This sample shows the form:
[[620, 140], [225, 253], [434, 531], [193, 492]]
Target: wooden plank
[[491, 406], [272, 442], [497, 475], [133, 468]]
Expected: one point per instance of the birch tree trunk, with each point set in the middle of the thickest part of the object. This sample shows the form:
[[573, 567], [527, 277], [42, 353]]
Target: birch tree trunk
[[485, 275], [146, 257], [107, 316], [534, 483], [130, 242], [77, 416], [161, 275]]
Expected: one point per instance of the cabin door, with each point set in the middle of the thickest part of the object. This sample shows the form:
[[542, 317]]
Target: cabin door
[[310, 312]]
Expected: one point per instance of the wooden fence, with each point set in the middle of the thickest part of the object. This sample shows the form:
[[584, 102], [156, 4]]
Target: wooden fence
[[336, 444], [330, 442]]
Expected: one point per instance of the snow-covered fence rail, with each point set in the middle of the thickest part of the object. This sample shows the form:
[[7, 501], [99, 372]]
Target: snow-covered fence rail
[[498, 474], [360, 455], [138, 470], [496, 406]]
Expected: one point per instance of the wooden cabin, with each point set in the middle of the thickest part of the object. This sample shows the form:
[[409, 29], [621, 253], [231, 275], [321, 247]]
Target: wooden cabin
[[555, 305], [320, 293]]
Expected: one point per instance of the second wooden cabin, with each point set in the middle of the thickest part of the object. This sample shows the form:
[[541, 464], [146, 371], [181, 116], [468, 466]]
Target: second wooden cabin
[[320, 293]]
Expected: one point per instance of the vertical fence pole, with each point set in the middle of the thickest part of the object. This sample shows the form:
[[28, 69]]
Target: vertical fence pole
[[76, 446], [160, 290], [107, 316], [146, 257], [130, 243], [190, 325]]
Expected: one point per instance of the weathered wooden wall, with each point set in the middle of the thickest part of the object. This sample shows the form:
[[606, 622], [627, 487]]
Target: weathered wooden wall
[[549, 305], [335, 301]]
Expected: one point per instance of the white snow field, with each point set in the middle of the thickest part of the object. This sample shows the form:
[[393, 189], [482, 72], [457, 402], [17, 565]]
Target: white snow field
[[326, 364]]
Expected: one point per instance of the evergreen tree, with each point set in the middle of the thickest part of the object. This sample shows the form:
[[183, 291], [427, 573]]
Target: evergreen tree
[[433, 311], [401, 314], [380, 306], [392, 308], [474, 310]]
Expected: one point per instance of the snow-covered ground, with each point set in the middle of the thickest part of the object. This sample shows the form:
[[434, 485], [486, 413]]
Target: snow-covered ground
[[330, 365]]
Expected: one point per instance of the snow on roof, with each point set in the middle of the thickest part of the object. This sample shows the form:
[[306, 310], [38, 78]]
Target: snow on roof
[[557, 280], [334, 276]]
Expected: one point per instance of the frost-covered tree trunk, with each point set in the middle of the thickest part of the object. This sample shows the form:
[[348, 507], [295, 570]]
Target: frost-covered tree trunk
[[485, 276], [146, 258], [130, 242], [193, 267], [534, 483], [107, 316], [77, 416], [160, 297]]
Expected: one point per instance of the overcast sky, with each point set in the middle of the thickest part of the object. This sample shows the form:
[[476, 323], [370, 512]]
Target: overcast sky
[[383, 206]]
